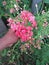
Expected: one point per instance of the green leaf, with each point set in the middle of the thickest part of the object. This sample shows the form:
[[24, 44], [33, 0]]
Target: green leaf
[[37, 62], [46, 1], [4, 52], [29, 24]]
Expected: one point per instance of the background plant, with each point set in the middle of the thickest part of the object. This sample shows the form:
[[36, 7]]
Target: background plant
[[37, 54], [13, 7]]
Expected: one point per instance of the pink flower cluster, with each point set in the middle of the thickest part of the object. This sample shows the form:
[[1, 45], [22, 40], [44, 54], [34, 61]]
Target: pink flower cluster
[[28, 16], [24, 33], [21, 31]]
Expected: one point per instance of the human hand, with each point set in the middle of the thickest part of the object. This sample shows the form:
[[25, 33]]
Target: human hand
[[8, 40]]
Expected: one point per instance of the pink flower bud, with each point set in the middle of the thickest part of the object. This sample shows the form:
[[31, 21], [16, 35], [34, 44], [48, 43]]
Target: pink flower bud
[[4, 3], [12, 10]]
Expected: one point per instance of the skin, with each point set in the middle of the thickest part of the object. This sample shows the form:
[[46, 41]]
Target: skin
[[8, 40]]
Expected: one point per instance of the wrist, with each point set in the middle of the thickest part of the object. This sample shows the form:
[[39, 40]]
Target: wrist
[[3, 43]]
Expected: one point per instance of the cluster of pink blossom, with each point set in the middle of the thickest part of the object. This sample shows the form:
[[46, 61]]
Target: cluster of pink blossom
[[23, 32], [28, 16]]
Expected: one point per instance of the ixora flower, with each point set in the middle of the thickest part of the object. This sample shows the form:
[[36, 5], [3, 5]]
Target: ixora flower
[[22, 31], [27, 33], [26, 15], [10, 20]]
